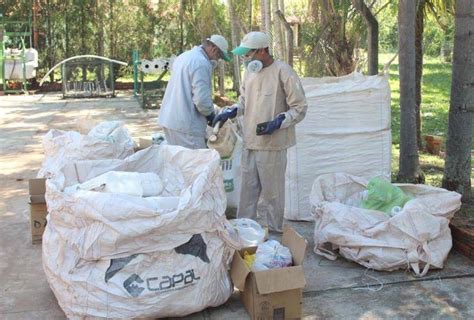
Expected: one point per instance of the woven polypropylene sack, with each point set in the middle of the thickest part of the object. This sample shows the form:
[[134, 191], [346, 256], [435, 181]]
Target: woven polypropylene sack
[[346, 129], [88, 230], [417, 238]]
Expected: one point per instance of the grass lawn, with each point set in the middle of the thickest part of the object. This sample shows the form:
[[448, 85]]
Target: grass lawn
[[436, 91]]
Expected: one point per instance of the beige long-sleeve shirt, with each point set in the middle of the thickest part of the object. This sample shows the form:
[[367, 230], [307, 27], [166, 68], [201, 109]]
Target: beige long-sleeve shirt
[[264, 95]]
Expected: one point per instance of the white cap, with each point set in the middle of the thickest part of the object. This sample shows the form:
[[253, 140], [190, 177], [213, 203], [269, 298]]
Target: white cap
[[221, 43], [252, 40]]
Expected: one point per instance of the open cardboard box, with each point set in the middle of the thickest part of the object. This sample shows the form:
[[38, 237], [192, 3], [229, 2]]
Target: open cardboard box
[[274, 293], [38, 210]]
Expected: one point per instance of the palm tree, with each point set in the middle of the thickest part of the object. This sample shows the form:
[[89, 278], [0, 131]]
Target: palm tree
[[337, 35], [409, 161], [457, 171], [234, 28]]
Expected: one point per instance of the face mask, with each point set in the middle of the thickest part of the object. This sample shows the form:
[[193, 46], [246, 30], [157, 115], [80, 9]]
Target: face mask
[[214, 64], [253, 65]]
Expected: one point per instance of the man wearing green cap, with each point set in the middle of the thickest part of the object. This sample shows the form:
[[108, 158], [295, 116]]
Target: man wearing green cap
[[272, 102], [187, 106]]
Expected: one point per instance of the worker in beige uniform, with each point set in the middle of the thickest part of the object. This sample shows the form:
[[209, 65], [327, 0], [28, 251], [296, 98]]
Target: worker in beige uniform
[[272, 102]]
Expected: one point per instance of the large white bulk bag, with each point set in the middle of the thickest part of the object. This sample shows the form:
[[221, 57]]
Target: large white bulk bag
[[117, 255], [417, 238], [174, 282], [346, 129]]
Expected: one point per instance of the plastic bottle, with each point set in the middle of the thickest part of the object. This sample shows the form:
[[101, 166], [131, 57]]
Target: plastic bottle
[[225, 142]]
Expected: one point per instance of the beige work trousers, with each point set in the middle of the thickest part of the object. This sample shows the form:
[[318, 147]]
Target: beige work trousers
[[263, 178]]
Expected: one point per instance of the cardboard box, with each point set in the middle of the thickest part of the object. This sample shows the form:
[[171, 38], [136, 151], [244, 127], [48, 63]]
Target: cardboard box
[[38, 210], [275, 293]]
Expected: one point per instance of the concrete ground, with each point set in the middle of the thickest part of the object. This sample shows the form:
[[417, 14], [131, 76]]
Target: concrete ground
[[335, 289]]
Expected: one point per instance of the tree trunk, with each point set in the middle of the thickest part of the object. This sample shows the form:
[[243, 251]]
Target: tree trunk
[[457, 171], [419, 67], [35, 23], [409, 162], [83, 38], [277, 37], [50, 41], [221, 67], [66, 29], [206, 19], [235, 42], [284, 40], [262, 15], [100, 38], [181, 26], [372, 36], [289, 37], [111, 28], [249, 14], [268, 21]]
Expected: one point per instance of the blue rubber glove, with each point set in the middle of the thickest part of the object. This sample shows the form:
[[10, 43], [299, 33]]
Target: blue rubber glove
[[224, 115], [270, 126], [210, 118]]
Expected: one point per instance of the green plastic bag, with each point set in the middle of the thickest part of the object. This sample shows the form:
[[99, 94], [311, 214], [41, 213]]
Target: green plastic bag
[[383, 196]]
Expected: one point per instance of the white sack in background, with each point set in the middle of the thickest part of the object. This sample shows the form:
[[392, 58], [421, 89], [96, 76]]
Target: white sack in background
[[14, 68], [231, 167], [108, 140], [231, 170], [417, 238], [346, 129]]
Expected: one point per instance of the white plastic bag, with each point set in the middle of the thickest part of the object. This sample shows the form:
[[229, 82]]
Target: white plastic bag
[[250, 233], [132, 183], [271, 255]]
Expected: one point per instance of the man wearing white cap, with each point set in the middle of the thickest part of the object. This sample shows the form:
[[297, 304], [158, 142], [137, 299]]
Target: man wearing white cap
[[272, 102], [187, 106]]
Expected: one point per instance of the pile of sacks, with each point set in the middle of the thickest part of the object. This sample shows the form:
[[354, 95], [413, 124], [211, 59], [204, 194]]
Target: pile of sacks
[[415, 236], [143, 236]]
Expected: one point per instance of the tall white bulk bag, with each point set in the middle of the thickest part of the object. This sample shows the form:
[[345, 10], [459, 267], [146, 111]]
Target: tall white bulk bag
[[346, 129]]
